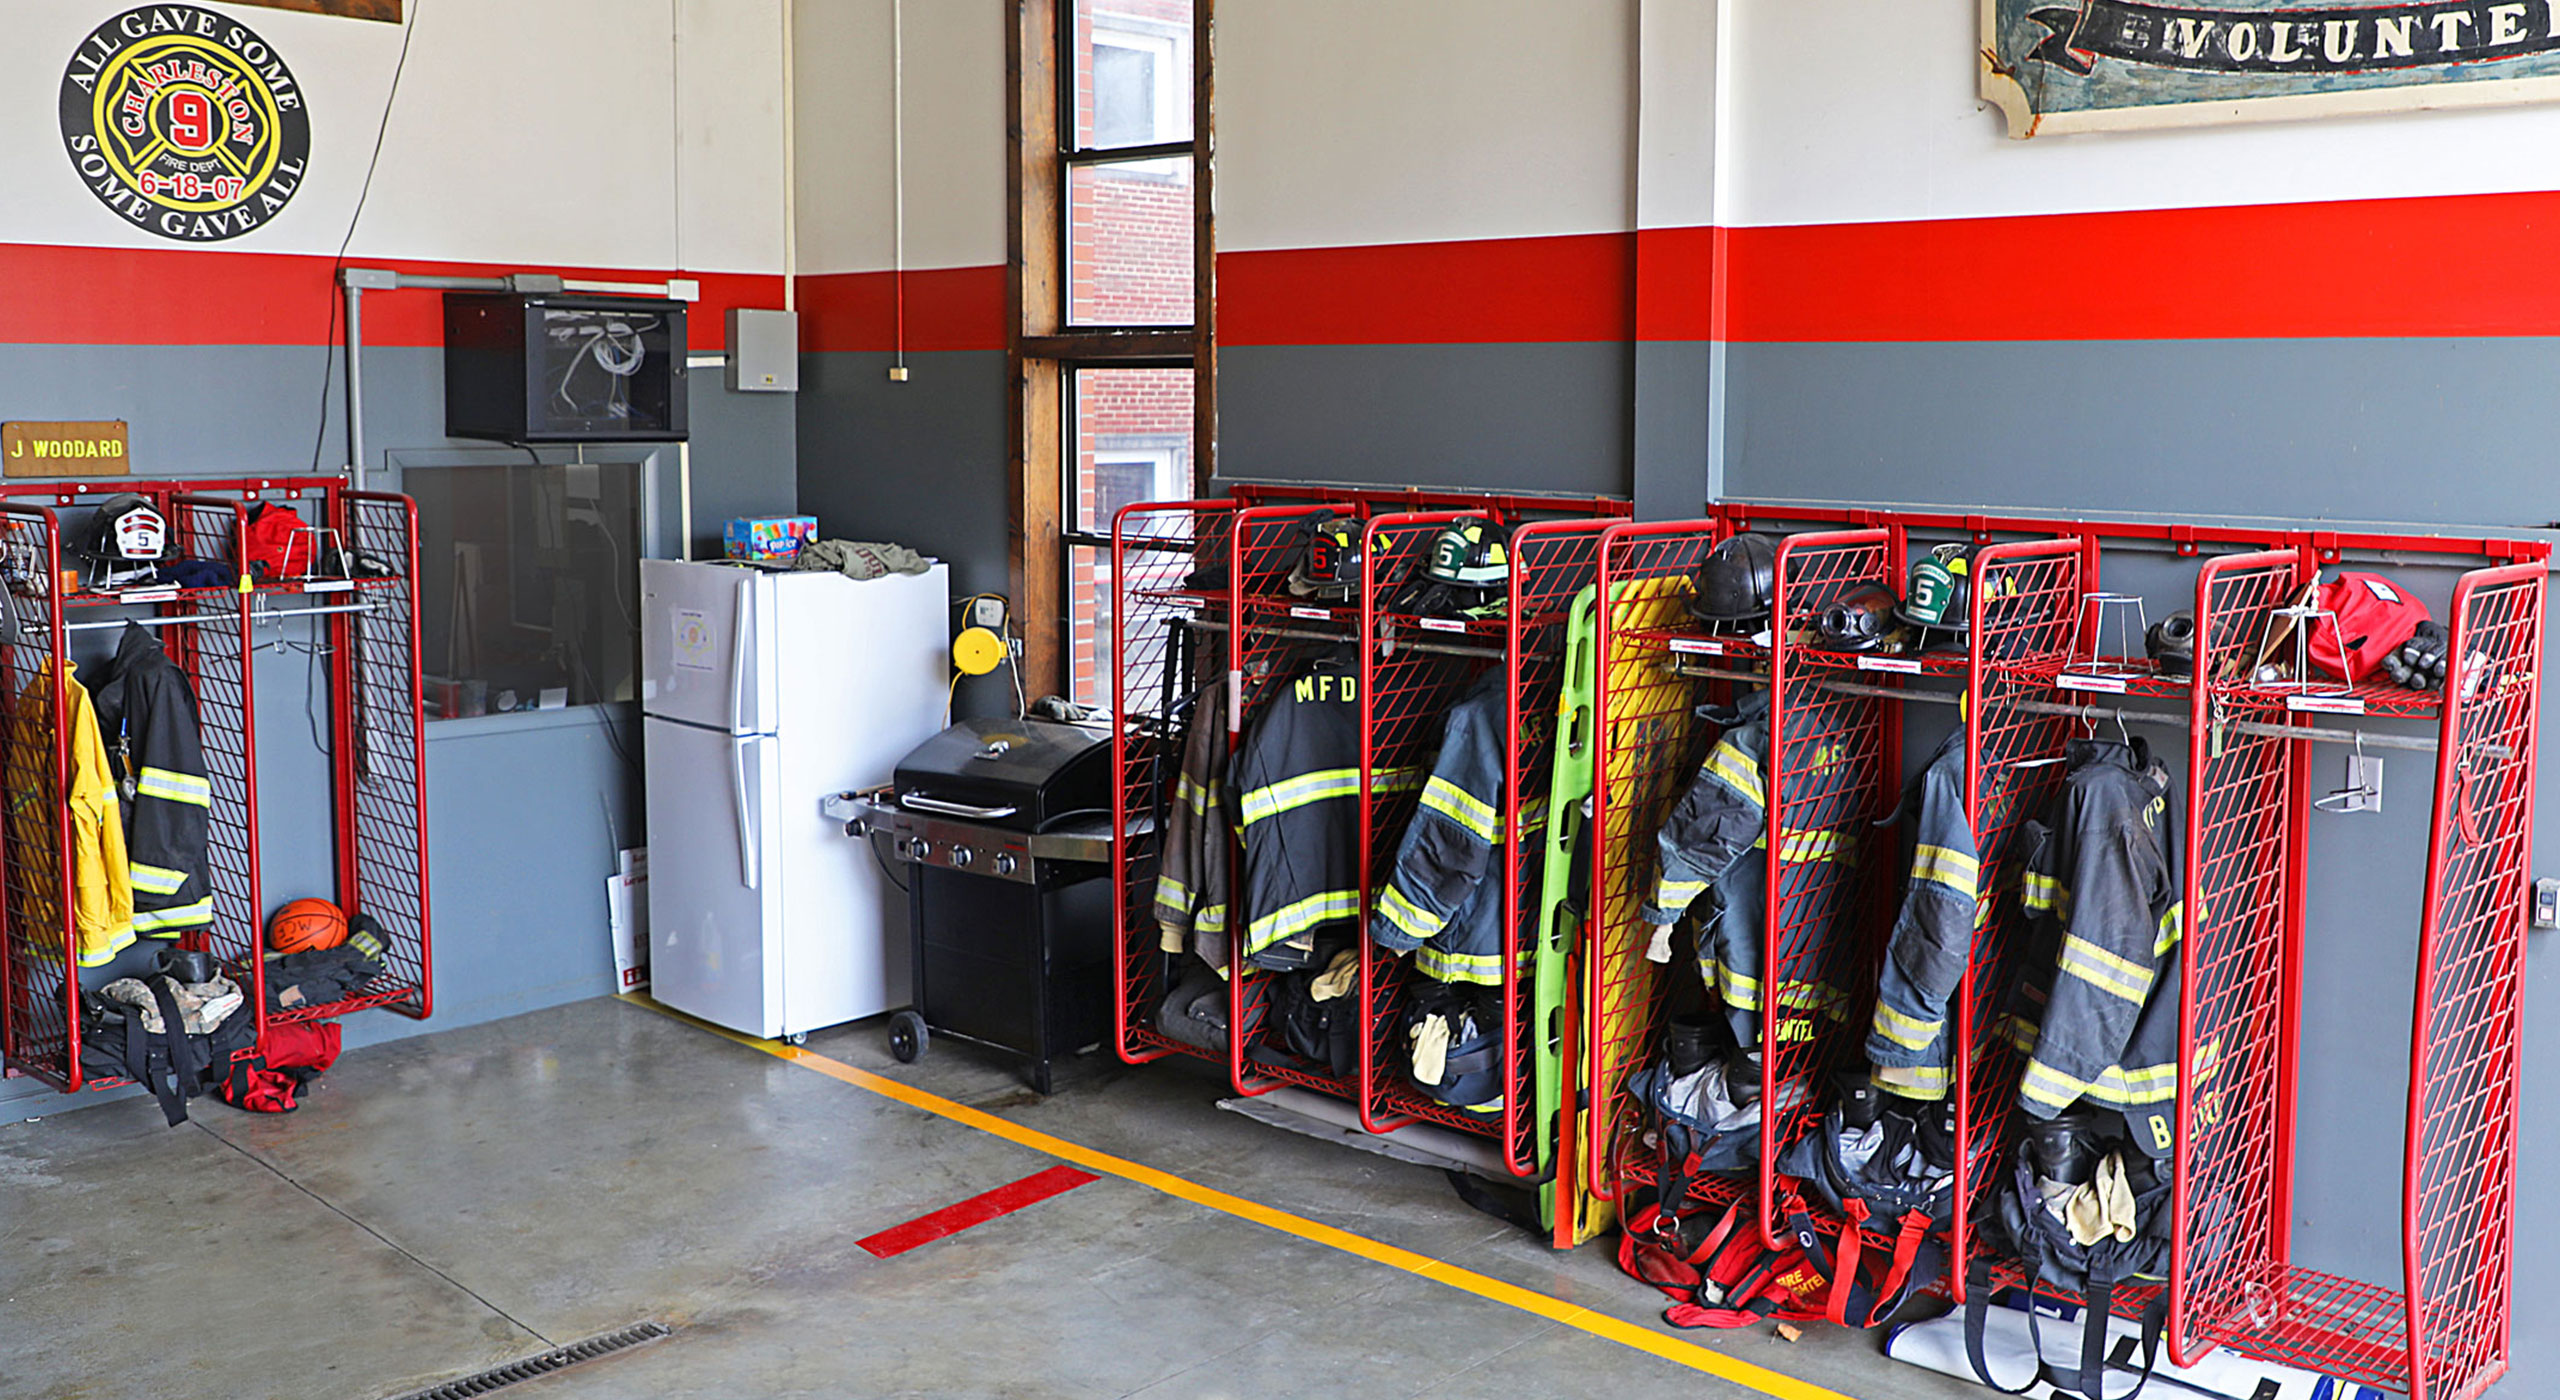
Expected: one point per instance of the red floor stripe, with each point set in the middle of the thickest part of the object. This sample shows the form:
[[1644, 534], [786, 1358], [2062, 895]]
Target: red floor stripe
[[977, 1210]]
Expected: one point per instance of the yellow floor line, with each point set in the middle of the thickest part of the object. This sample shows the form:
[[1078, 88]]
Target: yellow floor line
[[1742, 1373]]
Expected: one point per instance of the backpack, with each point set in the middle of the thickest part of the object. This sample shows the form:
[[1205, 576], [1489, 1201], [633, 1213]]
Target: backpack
[[2363, 618], [1697, 1126], [282, 1066], [1725, 1275], [276, 542], [116, 1041], [2018, 1219], [1883, 1172]]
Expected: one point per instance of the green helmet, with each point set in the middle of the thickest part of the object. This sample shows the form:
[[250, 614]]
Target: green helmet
[[1939, 591], [1469, 554]]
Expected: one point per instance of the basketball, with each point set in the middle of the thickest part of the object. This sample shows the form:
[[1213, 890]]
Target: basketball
[[306, 924]]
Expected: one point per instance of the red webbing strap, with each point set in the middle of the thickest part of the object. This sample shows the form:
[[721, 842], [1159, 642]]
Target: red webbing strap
[[1906, 1248], [1844, 1274]]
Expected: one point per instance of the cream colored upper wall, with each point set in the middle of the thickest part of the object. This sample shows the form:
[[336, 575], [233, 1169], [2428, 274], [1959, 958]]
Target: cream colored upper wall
[[1396, 121], [955, 151], [1887, 128], [526, 131]]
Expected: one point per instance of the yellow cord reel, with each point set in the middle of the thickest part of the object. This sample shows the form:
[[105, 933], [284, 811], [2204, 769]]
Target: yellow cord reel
[[977, 651]]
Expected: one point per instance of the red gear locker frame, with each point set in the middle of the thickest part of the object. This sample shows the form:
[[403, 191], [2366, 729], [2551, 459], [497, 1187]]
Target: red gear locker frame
[[376, 748]]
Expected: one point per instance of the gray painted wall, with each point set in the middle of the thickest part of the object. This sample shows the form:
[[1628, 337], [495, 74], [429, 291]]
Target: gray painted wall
[[1550, 417], [2441, 433], [524, 811]]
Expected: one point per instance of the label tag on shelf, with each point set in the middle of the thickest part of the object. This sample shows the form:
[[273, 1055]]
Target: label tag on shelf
[[1903, 664], [328, 585], [1313, 614], [1697, 646], [2112, 685], [2324, 704], [1440, 624], [147, 595]]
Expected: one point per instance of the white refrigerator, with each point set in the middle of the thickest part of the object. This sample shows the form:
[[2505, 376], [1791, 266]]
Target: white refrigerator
[[762, 692]]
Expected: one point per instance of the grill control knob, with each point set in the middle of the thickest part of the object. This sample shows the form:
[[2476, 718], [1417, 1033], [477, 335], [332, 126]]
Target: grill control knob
[[924, 849], [1006, 864], [960, 857]]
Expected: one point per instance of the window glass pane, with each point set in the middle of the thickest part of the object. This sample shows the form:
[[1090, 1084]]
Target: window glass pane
[[1124, 96], [529, 583], [1129, 441], [1133, 72], [1129, 243]]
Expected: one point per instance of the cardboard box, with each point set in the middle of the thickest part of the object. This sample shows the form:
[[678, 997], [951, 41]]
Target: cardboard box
[[626, 903], [768, 539]]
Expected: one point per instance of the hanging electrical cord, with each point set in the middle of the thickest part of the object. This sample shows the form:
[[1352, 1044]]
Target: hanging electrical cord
[[898, 181], [338, 265]]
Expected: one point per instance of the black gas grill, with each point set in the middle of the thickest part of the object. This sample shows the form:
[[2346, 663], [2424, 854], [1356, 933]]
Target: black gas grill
[[1004, 827]]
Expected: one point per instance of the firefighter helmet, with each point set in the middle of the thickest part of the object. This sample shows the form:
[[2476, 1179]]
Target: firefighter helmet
[[1858, 620], [2172, 644], [1737, 582], [1940, 594], [128, 530], [1327, 566], [1470, 553]]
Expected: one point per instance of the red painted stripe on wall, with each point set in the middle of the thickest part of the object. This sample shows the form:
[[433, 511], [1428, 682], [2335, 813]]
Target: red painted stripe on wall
[[2444, 266], [1675, 283], [948, 308], [61, 295], [1495, 290], [977, 1210]]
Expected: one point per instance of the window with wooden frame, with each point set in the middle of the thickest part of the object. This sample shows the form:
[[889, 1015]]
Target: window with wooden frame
[[1112, 245]]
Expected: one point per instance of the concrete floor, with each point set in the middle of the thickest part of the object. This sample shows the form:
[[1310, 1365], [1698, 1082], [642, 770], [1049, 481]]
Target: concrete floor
[[449, 1202]]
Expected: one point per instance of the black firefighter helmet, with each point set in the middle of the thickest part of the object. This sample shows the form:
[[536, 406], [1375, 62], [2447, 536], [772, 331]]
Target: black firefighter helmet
[[1737, 582], [1327, 565]]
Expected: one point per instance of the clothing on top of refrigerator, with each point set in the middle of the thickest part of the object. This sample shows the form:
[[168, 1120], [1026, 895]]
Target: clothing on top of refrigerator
[[147, 715], [1191, 882]]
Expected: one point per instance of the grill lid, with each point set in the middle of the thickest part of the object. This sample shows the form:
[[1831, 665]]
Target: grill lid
[[1015, 773]]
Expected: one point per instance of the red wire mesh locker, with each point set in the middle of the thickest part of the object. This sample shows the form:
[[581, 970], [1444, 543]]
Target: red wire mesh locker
[[1834, 769], [1649, 749], [1168, 640], [378, 748], [2444, 1332], [2024, 604], [1273, 630], [1552, 563], [1412, 669]]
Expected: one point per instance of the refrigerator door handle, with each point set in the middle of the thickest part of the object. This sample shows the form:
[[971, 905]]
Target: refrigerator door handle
[[750, 852], [742, 644]]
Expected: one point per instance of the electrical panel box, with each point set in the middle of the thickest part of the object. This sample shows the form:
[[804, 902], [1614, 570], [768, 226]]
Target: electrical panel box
[[564, 368], [764, 351]]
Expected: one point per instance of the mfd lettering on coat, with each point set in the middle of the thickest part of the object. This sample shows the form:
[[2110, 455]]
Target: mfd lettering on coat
[[1321, 686]]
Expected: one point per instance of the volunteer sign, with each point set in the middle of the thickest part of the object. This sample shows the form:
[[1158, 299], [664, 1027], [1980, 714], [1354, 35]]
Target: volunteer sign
[[184, 122], [2078, 65]]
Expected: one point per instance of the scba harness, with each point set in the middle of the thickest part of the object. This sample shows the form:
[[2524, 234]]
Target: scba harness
[[2035, 1216]]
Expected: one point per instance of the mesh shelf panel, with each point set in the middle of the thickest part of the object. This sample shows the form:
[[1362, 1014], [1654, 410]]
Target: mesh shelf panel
[[41, 986], [1158, 665], [1833, 771], [1405, 695], [2024, 598], [1649, 749]]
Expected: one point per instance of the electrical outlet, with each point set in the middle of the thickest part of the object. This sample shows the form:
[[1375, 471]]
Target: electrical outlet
[[2546, 904], [987, 612]]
